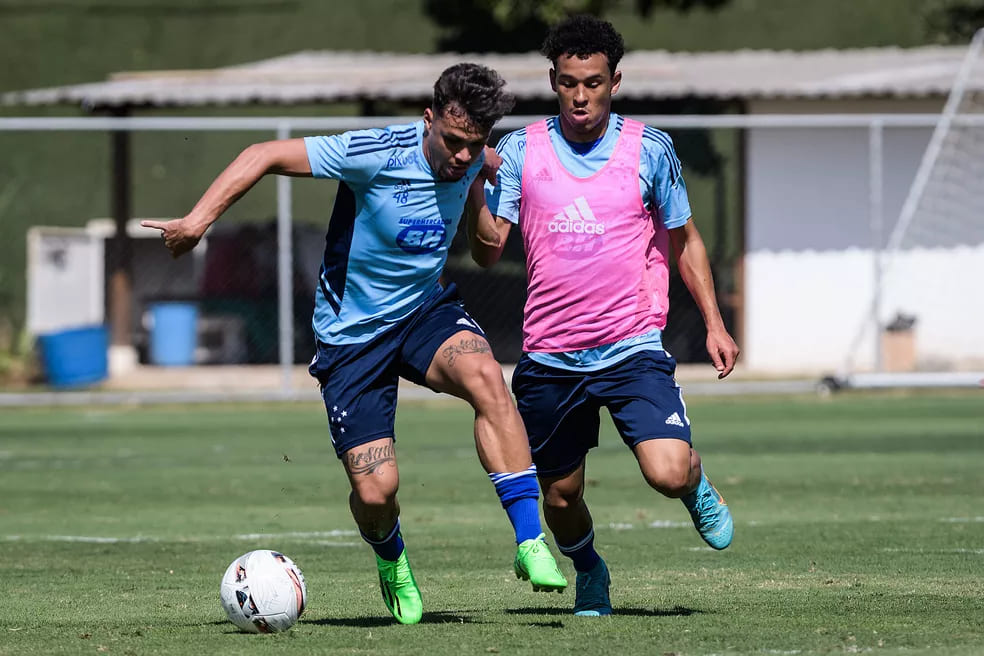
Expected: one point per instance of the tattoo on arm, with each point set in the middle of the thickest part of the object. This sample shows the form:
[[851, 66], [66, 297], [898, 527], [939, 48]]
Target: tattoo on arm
[[465, 346], [370, 461]]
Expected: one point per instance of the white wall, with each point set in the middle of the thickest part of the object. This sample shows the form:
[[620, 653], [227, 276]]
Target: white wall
[[808, 188], [809, 266], [804, 308]]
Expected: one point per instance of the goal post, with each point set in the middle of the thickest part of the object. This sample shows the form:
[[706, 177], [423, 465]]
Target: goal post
[[927, 308]]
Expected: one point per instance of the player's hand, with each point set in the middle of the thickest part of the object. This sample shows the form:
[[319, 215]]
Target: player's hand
[[723, 351], [490, 169], [180, 235]]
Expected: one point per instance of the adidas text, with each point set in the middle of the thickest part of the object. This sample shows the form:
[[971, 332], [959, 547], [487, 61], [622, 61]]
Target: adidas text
[[580, 227], [577, 218]]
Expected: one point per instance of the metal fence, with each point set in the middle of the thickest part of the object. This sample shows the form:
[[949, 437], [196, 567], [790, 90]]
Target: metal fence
[[496, 299]]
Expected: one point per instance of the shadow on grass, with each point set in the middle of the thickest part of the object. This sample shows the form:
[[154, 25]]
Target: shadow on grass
[[437, 617], [230, 627], [547, 625], [676, 611]]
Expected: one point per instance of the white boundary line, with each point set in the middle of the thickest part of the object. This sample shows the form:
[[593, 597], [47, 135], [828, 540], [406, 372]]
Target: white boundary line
[[150, 397], [320, 537], [954, 550], [317, 537], [342, 123], [962, 520]]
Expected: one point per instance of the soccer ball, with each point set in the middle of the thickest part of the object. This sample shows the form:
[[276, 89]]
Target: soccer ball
[[263, 592]]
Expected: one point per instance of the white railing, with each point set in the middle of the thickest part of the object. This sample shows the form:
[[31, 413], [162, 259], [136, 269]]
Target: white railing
[[284, 127]]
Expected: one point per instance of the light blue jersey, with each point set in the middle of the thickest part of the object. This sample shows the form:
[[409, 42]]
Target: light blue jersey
[[389, 233], [663, 192]]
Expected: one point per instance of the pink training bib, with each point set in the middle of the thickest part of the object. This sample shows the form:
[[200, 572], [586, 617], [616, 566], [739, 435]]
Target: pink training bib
[[596, 260]]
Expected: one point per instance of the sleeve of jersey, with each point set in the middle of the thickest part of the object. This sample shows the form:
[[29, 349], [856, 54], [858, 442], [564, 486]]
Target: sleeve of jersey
[[669, 191], [503, 199], [331, 157]]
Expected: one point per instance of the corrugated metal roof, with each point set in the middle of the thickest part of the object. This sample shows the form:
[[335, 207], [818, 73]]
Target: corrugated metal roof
[[324, 76]]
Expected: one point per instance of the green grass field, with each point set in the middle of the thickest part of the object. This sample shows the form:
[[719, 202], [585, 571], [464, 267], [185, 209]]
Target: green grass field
[[859, 528]]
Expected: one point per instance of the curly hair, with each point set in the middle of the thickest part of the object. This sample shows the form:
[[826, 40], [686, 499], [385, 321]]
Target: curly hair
[[473, 91], [582, 36]]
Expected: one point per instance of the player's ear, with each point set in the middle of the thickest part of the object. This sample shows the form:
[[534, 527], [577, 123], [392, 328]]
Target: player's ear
[[428, 118], [616, 81], [553, 80]]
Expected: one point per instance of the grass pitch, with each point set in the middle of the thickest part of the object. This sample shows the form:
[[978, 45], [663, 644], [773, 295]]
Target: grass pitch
[[859, 528]]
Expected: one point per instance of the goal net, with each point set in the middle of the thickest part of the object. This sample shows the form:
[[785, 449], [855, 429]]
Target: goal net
[[927, 312]]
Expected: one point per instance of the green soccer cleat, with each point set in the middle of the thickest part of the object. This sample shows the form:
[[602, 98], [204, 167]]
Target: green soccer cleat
[[400, 592], [534, 563]]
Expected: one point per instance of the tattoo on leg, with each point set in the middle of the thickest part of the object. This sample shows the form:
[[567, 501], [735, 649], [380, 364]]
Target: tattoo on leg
[[371, 460], [465, 346]]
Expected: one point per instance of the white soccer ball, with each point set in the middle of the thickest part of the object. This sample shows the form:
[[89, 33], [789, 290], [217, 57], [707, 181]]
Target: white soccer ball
[[263, 592]]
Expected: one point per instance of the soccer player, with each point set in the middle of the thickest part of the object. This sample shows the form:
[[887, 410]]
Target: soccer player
[[599, 200], [380, 312]]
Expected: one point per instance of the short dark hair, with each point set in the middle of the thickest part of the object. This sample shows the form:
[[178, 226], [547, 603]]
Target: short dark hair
[[582, 36], [473, 91]]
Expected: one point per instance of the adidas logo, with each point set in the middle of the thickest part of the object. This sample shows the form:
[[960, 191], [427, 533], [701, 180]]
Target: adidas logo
[[577, 218], [466, 322], [543, 175], [674, 420]]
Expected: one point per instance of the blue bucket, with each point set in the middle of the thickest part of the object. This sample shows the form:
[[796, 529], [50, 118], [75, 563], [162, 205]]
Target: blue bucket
[[76, 357], [173, 333]]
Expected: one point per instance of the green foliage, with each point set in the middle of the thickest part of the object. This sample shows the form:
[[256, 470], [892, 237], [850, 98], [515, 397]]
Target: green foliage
[[954, 21], [64, 42], [858, 531], [63, 178], [776, 25], [510, 13], [646, 7], [519, 25]]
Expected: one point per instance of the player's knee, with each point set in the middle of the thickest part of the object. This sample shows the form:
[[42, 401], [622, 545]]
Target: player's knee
[[560, 497], [672, 482], [375, 497], [485, 384]]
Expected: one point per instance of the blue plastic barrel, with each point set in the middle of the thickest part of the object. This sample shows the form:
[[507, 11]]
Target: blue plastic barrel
[[173, 333], [75, 357]]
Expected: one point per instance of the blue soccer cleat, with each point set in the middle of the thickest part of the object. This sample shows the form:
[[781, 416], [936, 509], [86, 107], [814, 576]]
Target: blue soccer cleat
[[710, 514], [591, 598]]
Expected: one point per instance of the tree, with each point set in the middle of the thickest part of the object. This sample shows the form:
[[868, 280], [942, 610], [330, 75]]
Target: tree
[[954, 21], [519, 25]]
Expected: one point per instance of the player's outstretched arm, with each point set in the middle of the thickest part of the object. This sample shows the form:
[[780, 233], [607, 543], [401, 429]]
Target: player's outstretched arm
[[487, 234], [283, 157], [695, 269]]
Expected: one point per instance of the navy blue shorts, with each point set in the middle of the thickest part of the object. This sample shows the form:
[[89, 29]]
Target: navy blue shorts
[[359, 381], [561, 408]]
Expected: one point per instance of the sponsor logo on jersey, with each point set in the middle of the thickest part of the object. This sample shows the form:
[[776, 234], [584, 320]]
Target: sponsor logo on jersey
[[577, 218], [421, 236], [399, 160], [576, 232], [401, 193], [674, 420]]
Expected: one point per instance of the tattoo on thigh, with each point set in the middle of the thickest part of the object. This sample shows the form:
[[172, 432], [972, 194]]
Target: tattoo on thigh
[[370, 461], [465, 346]]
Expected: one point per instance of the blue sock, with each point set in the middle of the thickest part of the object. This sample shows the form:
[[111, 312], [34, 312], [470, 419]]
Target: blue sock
[[390, 547], [582, 553], [519, 495]]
